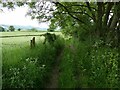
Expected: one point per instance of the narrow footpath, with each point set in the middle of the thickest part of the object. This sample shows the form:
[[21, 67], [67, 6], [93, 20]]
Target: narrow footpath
[[53, 83]]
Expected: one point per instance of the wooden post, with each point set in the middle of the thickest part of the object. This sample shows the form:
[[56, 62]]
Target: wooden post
[[33, 41]]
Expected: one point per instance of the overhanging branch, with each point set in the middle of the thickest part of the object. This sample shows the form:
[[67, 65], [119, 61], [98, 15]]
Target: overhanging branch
[[57, 3], [89, 8]]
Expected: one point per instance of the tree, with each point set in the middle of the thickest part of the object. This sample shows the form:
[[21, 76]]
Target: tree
[[103, 16], [50, 30], [11, 28], [19, 29], [98, 12], [52, 27], [2, 29]]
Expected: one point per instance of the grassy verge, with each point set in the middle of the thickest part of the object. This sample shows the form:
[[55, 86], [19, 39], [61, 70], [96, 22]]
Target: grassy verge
[[92, 65]]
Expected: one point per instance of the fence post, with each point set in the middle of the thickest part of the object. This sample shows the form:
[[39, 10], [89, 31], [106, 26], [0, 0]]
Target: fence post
[[31, 45], [33, 41]]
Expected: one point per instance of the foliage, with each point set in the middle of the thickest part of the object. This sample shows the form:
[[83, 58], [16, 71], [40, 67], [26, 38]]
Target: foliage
[[52, 26], [2, 29], [89, 65], [27, 68], [11, 28], [91, 54], [70, 14], [19, 29], [50, 38], [88, 14]]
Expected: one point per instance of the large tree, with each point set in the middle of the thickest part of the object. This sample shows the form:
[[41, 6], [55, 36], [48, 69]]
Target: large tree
[[104, 16]]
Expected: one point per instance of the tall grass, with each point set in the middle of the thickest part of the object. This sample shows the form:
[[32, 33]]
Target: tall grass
[[84, 64], [66, 77], [29, 68], [90, 65]]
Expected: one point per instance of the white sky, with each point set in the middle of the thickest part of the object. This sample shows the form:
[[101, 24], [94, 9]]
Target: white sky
[[17, 17]]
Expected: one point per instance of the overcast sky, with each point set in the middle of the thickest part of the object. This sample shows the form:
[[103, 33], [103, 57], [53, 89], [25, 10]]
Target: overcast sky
[[17, 17]]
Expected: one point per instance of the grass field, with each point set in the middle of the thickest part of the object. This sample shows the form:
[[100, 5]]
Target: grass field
[[20, 33], [23, 33], [21, 41]]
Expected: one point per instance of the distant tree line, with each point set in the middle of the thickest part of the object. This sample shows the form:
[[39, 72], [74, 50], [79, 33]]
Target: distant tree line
[[2, 29], [10, 29]]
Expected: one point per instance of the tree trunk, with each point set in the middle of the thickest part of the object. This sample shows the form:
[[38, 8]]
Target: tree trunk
[[107, 13], [114, 22], [116, 16], [99, 18]]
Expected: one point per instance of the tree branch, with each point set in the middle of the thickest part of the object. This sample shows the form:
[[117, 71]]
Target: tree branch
[[77, 13], [109, 6], [89, 8], [57, 3], [84, 6]]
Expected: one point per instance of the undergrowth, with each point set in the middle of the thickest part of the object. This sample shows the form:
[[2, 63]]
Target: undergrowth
[[29, 68], [90, 65]]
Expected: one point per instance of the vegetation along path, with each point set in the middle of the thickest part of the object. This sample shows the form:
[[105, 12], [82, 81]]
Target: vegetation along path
[[53, 83]]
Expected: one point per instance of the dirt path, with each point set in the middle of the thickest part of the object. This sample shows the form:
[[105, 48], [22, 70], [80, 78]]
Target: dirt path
[[53, 83]]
